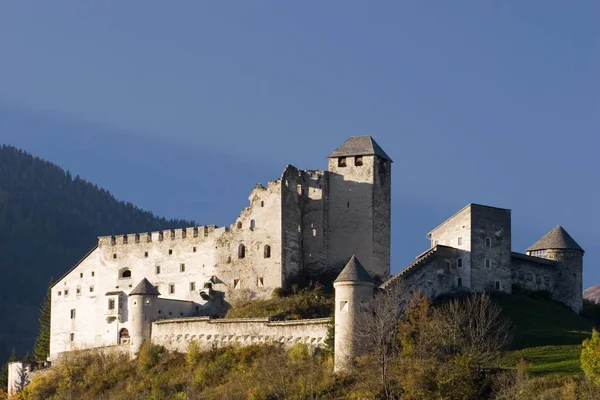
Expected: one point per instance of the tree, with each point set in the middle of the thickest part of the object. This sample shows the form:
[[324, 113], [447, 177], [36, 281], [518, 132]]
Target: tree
[[41, 349], [590, 356]]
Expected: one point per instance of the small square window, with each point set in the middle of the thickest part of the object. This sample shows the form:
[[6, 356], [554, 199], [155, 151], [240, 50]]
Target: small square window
[[72, 337], [73, 313], [147, 301], [157, 269], [114, 256], [78, 291], [459, 281], [66, 292], [260, 282], [459, 262], [194, 250], [497, 285], [170, 251], [236, 284], [488, 263], [145, 254], [192, 286], [181, 267], [91, 289], [81, 275], [171, 288], [460, 241], [93, 273], [59, 292], [342, 162], [488, 242], [358, 161], [111, 304]]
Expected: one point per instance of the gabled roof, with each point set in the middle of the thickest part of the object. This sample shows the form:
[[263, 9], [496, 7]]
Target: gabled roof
[[359, 146], [144, 287], [557, 238], [354, 272]]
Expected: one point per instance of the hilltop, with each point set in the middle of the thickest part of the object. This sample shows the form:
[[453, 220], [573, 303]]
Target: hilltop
[[48, 219]]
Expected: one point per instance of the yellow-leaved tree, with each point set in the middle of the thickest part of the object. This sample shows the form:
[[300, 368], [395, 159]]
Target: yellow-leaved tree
[[590, 357]]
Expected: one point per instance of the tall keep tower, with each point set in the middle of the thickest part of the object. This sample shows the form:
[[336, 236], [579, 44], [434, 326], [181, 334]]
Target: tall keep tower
[[359, 206], [559, 246]]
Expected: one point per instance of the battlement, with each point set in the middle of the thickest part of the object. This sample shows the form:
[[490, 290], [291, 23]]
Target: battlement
[[196, 232]]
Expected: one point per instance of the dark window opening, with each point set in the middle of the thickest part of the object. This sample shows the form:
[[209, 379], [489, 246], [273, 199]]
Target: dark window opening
[[497, 285], [113, 240], [161, 236], [73, 314], [171, 288], [137, 237], [262, 203], [125, 240], [114, 256], [194, 249], [170, 251], [111, 304], [239, 225], [358, 161], [252, 224], [145, 254], [181, 267], [242, 251], [184, 233], [149, 237], [196, 231], [192, 286], [126, 273], [459, 262], [459, 281], [157, 269], [172, 234], [341, 161], [267, 252]]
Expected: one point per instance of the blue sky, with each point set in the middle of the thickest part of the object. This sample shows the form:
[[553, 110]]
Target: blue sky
[[181, 107]]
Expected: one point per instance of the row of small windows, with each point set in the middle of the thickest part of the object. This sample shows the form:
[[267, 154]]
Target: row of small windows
[[194, 250], [530, 276], [358, 161], [237, 283], [77, 291], [488, 242], [239, 224], [242, 251], [137, 236]]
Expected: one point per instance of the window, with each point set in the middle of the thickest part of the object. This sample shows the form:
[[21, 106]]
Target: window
[[181, 267], [91, 289], [341, 161], [194, 249], [126, 273], [73, 313], [125, 241], [459, 262], [81, 275], [241, 251], [358, 161], [171, 288], [195, 231], [161, 236], [72, 337], [93, 273], [459, 281], [137, 237], [239, 224], [262, 203], [111, 304], [192, 286], [252, 224], [78, 290], [66, 292], [147, 301], [488, 242], [172, 234], [448, 265], [148, 237], [184, 233], [145, 254], [314, 232], [59, 292], [114, 256], [487, 263], [113, 240], [157, 269], [260, 282], [344, 306], [460, 241], [267, 251], [170, 251], [497, 285], [236, 284]]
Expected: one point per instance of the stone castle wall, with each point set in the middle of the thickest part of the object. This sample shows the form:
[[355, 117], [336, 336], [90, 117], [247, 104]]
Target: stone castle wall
[[177, 334]]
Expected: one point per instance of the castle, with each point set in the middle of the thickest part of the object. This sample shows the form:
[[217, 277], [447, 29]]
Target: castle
[[169, 286]]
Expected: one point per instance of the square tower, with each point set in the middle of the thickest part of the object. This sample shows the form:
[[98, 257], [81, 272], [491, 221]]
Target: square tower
[[359, 205]]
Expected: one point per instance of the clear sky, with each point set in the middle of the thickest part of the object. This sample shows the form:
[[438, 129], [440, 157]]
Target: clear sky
[[181, 107]]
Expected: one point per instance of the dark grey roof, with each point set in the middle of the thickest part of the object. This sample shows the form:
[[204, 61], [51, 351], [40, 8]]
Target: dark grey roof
[[359, 146], [354, 272], [114, 293], [144, 287], [557, 238]]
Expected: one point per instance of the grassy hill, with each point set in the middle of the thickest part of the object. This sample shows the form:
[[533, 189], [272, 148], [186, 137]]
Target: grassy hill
[[48, 221]]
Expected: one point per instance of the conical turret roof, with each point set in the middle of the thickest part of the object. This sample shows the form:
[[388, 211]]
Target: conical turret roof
[[359, 146], [144, 287], [557, 238], [354, 272]]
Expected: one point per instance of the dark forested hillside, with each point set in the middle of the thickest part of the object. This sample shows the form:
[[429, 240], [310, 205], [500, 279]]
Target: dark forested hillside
[[48, 221]]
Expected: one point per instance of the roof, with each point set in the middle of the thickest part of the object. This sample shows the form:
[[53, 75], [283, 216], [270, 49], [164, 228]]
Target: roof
[[533, 259], [557, 238], [144, 287], [359, 146], [354, 272], [114, 293], [461, 210], [75, 266]]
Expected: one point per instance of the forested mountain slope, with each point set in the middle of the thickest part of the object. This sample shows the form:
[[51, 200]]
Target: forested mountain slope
[[48, 221]]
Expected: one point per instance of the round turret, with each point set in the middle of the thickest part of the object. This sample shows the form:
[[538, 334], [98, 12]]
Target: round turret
[[142, 309], [353, 290], [557, 245]]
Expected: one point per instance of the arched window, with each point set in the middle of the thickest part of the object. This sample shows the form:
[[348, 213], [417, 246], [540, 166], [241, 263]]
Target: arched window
[[242, 251], [252, 224], [123, 336], [125, 273], [239, 225], [267, 251], [262, 203]]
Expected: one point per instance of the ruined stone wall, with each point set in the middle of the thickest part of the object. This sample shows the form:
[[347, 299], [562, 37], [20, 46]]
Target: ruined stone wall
[[177, 334], [456, 232], [315, 198], [382, 208], [291, 225], [493, 224]]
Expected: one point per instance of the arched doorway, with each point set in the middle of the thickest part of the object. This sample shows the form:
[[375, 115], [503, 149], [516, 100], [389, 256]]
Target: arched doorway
[[123, 336]]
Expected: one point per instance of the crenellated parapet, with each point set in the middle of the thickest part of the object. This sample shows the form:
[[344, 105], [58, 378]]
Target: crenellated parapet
[[198, 233]]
